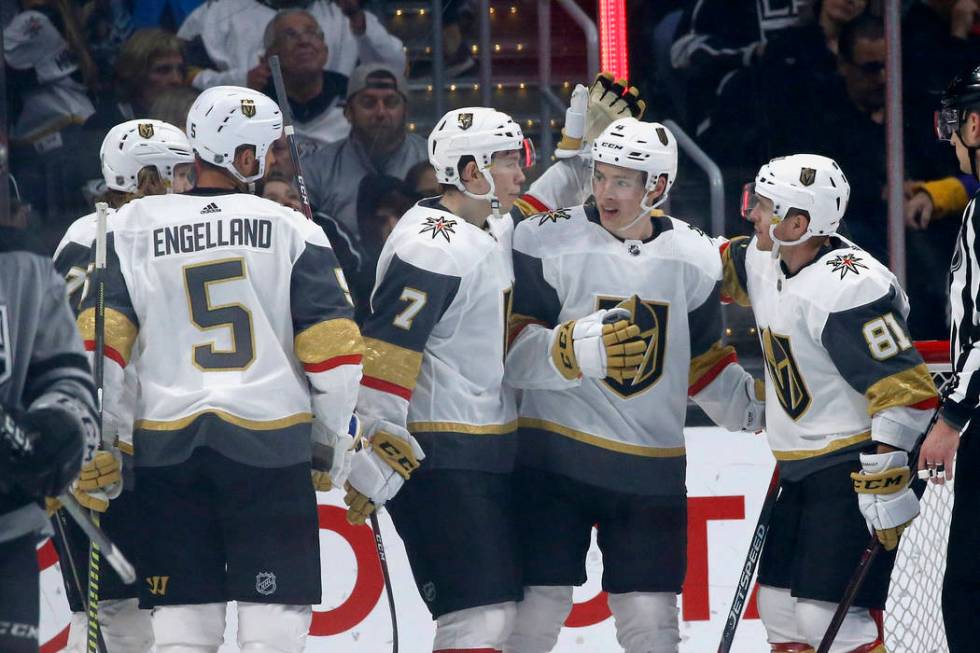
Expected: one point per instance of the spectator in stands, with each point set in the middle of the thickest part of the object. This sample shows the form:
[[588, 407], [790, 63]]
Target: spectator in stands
[[378, 144], [316, 95], [226, 38], [172, 105], [716, 38], [150, 62], [107, 24], [421, 180], [50, 153], [381, 202], [280, 190]]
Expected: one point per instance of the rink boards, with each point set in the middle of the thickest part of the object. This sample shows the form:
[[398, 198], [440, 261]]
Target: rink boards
[[727, 476]]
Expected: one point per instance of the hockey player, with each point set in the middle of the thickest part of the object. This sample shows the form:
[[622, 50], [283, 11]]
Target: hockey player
[[139, 158], [433, 383], [237, 310], [956, 434], [47, 418], [601, 424], [847, 396]]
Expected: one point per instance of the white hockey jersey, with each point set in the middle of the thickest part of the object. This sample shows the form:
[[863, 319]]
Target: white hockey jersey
[[73, 259], [436, 338], [231, 32], [622, 436], [841, 369], [244, 328]]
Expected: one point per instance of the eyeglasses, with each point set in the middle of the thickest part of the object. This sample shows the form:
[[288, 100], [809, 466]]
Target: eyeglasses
[[311, 33]]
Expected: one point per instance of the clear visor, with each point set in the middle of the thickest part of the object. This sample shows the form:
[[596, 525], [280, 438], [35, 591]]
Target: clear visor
[[946, 121], [749, 199], [524, 160]]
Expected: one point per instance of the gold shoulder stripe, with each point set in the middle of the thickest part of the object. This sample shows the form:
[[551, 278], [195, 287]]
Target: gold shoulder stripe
[[836, 445], [329, 339], [595, 441], [391, 363], [120, 332], [906, 388], [254, 425], [730, 285], [707, 366], [525, 207], [459, 427]]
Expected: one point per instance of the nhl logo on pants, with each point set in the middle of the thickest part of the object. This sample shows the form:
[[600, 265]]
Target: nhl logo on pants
[[265, 583]]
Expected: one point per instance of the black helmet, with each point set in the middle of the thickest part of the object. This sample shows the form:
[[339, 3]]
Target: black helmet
[[962, 94]]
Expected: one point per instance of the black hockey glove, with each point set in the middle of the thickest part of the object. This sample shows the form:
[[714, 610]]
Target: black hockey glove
[[40, 451]]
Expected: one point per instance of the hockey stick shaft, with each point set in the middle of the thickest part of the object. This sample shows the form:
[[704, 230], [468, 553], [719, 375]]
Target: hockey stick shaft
[[94, 555], [744, 587], [376, 527], [97, 537], [870, 552], [287, 128], [850, 592]]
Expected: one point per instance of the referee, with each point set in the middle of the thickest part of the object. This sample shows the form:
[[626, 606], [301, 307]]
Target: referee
[[958, 433]]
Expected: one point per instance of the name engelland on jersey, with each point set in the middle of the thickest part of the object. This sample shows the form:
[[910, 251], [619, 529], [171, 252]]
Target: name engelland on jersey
[[200, 236]]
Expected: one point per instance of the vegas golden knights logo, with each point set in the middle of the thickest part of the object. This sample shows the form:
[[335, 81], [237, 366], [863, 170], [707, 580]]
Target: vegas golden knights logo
[[791, 390], [465, 120], [158, 584], [146, 129], [808, 176], [248, 108], [662, 135], [652, 320]]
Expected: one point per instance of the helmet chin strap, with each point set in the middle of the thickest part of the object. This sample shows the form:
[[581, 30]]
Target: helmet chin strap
[[644, 212], [489, 196], [776, 242]]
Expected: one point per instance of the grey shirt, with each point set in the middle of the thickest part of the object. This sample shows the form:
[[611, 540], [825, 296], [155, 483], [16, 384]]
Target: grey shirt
[[42, 363], [334, 171]]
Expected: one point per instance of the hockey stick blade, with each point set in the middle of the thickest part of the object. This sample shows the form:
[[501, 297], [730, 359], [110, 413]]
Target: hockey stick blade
[[109, 551]]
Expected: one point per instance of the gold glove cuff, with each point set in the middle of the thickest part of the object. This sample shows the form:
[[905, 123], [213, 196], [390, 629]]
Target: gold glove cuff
[[396, 452], [889, 481], [563, 352]]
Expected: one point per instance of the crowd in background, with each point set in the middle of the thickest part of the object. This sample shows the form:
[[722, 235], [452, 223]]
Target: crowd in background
[[748, 80]]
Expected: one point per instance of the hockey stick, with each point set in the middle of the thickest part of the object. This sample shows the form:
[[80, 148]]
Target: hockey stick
[[870, 552], [744, 587], [379, 543], [287, 128], [96, 536], [94, 556]]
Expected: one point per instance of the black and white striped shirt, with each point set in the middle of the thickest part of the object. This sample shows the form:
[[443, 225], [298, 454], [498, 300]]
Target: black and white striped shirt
[[963, 392]]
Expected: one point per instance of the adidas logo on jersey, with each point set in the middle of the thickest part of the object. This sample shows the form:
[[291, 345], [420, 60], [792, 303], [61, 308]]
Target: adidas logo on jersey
[[210, 208]]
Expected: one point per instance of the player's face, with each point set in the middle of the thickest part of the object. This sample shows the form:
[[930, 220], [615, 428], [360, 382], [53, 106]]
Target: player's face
[[761, 217], [183, 178], [618, 193], [508, 177]]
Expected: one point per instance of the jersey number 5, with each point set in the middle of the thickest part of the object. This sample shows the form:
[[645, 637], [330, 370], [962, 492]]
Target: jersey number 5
[[237, 318]]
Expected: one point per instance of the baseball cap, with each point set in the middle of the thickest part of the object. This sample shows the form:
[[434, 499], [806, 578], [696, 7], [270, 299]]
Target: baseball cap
[[376, 75]]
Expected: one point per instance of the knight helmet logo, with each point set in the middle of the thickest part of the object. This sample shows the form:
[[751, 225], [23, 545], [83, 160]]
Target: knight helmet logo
[[662, 135], [248, 108], [265, 583], [465, 120], [146, 129], [808, 176]]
